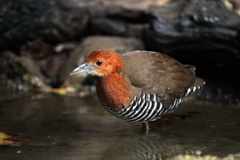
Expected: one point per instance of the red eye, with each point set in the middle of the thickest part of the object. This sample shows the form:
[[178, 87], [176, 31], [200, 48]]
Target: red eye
[[98, 63]]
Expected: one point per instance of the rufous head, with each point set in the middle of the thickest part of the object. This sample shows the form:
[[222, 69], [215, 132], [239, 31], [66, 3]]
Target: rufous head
[[101, 63]]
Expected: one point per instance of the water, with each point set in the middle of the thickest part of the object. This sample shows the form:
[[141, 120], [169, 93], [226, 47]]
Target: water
[[71, 128]]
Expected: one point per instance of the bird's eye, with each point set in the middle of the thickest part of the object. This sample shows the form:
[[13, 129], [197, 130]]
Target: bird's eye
[[98, 63]]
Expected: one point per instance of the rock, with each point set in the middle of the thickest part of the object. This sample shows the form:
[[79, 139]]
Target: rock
[[119, 20], [109, 27], [19, 74], [78, 56], [48, 57], [202, 26], [36, 50], [56, 21], [205, 157], [21, 21], [171, 22]]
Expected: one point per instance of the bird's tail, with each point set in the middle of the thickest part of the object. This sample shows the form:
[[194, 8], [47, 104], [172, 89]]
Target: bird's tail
[[198, 82]]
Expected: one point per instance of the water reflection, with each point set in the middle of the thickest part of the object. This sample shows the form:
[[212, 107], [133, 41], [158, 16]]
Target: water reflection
[[153, 146], [73, 128]]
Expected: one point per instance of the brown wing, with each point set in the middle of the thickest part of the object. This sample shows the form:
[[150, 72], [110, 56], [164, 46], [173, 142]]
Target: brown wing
[[153, 72]]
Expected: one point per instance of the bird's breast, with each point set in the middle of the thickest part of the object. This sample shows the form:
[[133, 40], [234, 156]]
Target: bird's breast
[[114, 91]]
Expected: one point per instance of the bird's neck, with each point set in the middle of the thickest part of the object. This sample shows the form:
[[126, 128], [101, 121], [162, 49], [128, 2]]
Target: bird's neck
[[114, 91]]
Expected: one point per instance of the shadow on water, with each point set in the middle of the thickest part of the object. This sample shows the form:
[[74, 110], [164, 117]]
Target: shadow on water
[[73, 128]]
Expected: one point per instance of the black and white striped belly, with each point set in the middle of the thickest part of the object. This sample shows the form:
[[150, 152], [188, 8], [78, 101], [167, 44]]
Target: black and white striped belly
[[146, 108]]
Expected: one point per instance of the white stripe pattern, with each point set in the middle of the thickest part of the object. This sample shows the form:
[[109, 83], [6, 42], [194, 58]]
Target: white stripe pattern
[[146, 108]]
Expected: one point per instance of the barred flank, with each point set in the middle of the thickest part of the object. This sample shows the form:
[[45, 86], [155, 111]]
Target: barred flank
[[147, 108]]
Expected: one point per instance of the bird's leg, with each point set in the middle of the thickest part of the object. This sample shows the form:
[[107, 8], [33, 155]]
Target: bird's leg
[[146, 125], [145, 128]]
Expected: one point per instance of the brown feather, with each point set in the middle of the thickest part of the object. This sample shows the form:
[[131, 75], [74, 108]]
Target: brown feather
[[158, 73]]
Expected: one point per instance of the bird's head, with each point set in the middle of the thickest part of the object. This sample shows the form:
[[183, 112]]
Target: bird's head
[[101, 63]]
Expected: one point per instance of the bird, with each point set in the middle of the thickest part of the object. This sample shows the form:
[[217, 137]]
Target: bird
[[139, 86]]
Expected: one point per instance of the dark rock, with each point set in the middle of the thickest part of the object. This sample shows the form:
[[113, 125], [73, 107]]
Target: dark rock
[[57, 21], [109, 27], [119, 20], [202, 25], [25, 20]]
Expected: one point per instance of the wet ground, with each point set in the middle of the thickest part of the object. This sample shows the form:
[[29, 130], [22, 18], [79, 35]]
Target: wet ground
[[71, 128]]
